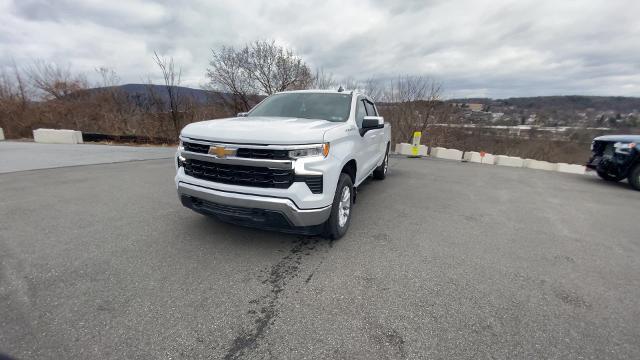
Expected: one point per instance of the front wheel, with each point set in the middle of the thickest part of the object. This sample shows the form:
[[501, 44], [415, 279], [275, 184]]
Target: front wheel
[[634, 177], [340, 217]]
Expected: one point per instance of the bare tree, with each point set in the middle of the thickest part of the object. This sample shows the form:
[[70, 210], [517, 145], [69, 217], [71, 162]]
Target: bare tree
[[411, 103], [373, 87], [275, 68], [13, 86], [117, 109], [13, 101], [171, 77], [55, 81], [324, 80], [259, 68], [227, 73], [351, 83], [108, 77]]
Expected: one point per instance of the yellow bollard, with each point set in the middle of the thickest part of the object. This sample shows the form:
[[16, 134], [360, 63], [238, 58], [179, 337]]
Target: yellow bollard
[[415, 144]]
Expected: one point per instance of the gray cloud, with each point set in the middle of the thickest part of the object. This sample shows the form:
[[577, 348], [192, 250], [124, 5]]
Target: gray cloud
[[493, 48]]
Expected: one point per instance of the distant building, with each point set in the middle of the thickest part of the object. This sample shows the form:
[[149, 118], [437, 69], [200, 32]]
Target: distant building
[[475, 106]]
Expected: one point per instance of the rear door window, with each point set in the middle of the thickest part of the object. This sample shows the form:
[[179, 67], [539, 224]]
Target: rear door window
[[361, 112]]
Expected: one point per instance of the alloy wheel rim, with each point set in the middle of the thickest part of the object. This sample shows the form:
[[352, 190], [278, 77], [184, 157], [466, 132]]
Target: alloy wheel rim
[[386, 163], [344, 207]]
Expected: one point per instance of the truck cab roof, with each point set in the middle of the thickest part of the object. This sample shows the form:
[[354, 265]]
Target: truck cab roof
[[323, 91]]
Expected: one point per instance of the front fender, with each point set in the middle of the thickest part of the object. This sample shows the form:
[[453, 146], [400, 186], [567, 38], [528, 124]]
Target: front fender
[[343, 140]]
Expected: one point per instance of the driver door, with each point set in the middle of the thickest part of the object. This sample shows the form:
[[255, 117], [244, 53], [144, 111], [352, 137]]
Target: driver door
[[367, 153]]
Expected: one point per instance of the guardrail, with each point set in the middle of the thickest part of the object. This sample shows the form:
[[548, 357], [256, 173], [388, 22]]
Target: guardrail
[[63, 136], [490, 159]]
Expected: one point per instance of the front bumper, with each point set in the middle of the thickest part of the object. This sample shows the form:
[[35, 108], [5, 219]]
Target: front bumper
[[618, 164], [249, 209]]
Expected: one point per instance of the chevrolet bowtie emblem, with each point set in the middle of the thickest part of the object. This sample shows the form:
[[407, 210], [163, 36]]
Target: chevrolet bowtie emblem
[[220, 151]]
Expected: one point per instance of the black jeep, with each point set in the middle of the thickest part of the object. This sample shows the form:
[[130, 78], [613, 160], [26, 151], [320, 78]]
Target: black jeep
[[615, 157]]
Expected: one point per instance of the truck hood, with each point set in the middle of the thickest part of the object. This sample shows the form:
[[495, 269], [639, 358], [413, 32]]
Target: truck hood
[[619, 138], [260, 130]]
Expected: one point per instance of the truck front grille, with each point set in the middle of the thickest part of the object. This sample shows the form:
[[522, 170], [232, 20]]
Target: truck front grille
[[270, 154], [239, 174], [263, 154], [195, 147]]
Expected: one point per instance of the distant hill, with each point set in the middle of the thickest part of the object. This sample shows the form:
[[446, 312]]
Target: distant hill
[[572, 110], [563, 103], [197, 96], [147, 94]]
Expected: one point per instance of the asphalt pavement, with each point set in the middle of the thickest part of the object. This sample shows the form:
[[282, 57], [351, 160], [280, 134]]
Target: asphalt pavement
[[22, 156], [443, 260]]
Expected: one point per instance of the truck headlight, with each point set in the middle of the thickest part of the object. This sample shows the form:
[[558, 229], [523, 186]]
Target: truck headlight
[[624, 148], [180, 161], [320, 150]]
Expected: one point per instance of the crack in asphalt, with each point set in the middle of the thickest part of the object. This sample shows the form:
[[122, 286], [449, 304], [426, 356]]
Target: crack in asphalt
[[277, 278]]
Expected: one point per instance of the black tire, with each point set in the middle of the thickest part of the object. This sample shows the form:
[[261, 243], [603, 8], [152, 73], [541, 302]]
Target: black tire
[[381, 171], [606, 176], [634, 177], [334, 227]]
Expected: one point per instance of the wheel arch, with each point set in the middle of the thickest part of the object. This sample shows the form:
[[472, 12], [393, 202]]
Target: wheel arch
[[350, 168]]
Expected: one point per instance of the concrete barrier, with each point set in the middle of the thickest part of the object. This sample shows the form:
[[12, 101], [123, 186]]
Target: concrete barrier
[[539, 165], [474, 156], [434, 150], [512, 161], [489, 159], [403, 148], [51, 136], [406, 149], [1, 134], [450, 154], [571, 168]]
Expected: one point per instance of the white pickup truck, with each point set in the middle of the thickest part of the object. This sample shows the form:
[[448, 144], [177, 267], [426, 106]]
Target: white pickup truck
[[293, 163]]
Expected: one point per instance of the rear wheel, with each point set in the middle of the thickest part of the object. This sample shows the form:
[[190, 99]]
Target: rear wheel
[[606, 176], [634, 177], [340, 217], [381, 171]]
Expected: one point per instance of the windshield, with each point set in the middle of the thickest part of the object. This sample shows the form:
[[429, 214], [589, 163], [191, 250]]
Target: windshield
[[325, 106]]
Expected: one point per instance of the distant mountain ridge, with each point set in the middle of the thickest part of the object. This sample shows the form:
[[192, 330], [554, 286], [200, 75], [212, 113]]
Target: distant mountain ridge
[[197, 96], [543, 110], [571, 110], [562, 102]]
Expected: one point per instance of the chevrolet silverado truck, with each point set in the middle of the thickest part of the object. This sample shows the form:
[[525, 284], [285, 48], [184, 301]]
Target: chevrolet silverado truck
[[616, 157], [293, 163]]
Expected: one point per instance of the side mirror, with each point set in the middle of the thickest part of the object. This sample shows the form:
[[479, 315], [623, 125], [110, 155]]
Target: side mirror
[[372, 122], [242, 114]]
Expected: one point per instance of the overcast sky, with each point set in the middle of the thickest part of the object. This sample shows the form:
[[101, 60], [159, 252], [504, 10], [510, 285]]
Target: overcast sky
[[491, 48]]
